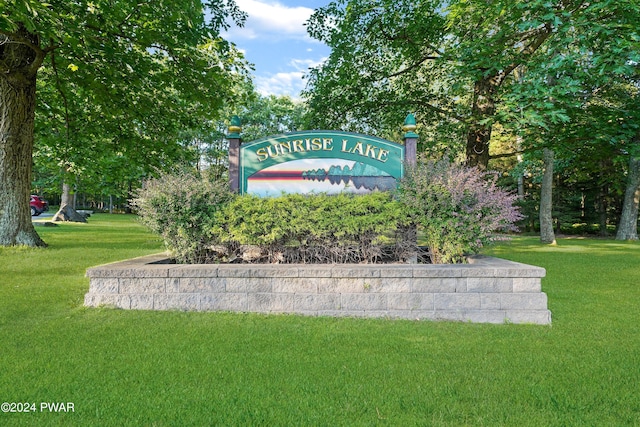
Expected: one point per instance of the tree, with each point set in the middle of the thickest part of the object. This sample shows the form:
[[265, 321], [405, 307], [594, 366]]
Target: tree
[[546, 221], [450, 62], [591, 86], [628, 225], [127, 54], [107, 145], [545, 71], [271, 115]]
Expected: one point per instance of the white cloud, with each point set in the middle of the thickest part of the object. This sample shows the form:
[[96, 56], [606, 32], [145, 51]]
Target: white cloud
[[286, 83], [304, 64], [280, 83], [272, 35], [271, 19]]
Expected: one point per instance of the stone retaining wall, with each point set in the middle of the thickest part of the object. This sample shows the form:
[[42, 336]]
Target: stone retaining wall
[[487, 290]]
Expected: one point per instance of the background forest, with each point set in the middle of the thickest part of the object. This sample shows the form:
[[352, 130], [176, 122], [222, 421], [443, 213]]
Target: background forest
[[544, 92]]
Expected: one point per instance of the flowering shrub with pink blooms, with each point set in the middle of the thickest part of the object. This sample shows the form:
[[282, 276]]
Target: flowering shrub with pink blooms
[[458, 209]]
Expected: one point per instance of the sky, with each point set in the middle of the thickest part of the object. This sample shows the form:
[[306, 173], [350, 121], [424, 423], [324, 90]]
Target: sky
[[275, 40]]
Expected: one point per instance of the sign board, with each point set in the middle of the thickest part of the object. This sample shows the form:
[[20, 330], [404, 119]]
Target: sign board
[[320, 162]]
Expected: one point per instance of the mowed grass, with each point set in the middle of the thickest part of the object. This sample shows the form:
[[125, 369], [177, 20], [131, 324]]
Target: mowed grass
[[122, 368]]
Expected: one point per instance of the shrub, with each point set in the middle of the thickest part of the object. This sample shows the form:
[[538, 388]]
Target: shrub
[[315, 228], [182, 209], [457, 208]]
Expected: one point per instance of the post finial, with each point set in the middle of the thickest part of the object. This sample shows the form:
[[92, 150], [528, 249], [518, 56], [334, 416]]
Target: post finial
[[409, 126], [235, 127]]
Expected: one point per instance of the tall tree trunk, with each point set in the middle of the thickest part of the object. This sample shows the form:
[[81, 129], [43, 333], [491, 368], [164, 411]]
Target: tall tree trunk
[[66, 211], [17, 118], [521, 173], [602, 211], [479, 135], [546, 200], [628, 225], [602, 199], [556, 192]]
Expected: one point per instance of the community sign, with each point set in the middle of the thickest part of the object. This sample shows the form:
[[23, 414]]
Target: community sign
[[319, 162]]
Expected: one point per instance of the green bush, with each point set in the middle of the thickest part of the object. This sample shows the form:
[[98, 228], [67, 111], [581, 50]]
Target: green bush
[[457, 208], [182, 209], [315, 228]]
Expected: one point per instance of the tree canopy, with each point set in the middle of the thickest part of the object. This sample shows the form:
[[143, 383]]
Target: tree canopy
[[271, 115], [114, 76], [460, 65]]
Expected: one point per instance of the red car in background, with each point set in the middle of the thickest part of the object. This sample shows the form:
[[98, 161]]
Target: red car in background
[[38, 205]]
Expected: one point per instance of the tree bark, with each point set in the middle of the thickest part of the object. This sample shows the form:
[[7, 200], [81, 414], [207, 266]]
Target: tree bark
[[603, 197], [628, 225], [484, 104], [17, 119], [66, 211], [479, 135], [546, 199]]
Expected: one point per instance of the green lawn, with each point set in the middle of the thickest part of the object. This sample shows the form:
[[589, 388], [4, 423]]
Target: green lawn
[[123, 368]]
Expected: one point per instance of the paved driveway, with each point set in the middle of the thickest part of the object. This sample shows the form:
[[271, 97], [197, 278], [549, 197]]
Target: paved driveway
[[44, 216]]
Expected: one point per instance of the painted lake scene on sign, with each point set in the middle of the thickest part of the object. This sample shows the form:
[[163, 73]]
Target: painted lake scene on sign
[[329, 176], [320, 162]]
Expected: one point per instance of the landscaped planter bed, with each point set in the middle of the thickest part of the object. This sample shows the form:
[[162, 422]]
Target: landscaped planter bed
[[487, 290]]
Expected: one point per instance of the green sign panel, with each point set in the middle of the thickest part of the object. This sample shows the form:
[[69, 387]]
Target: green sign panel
[[319, 161]]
